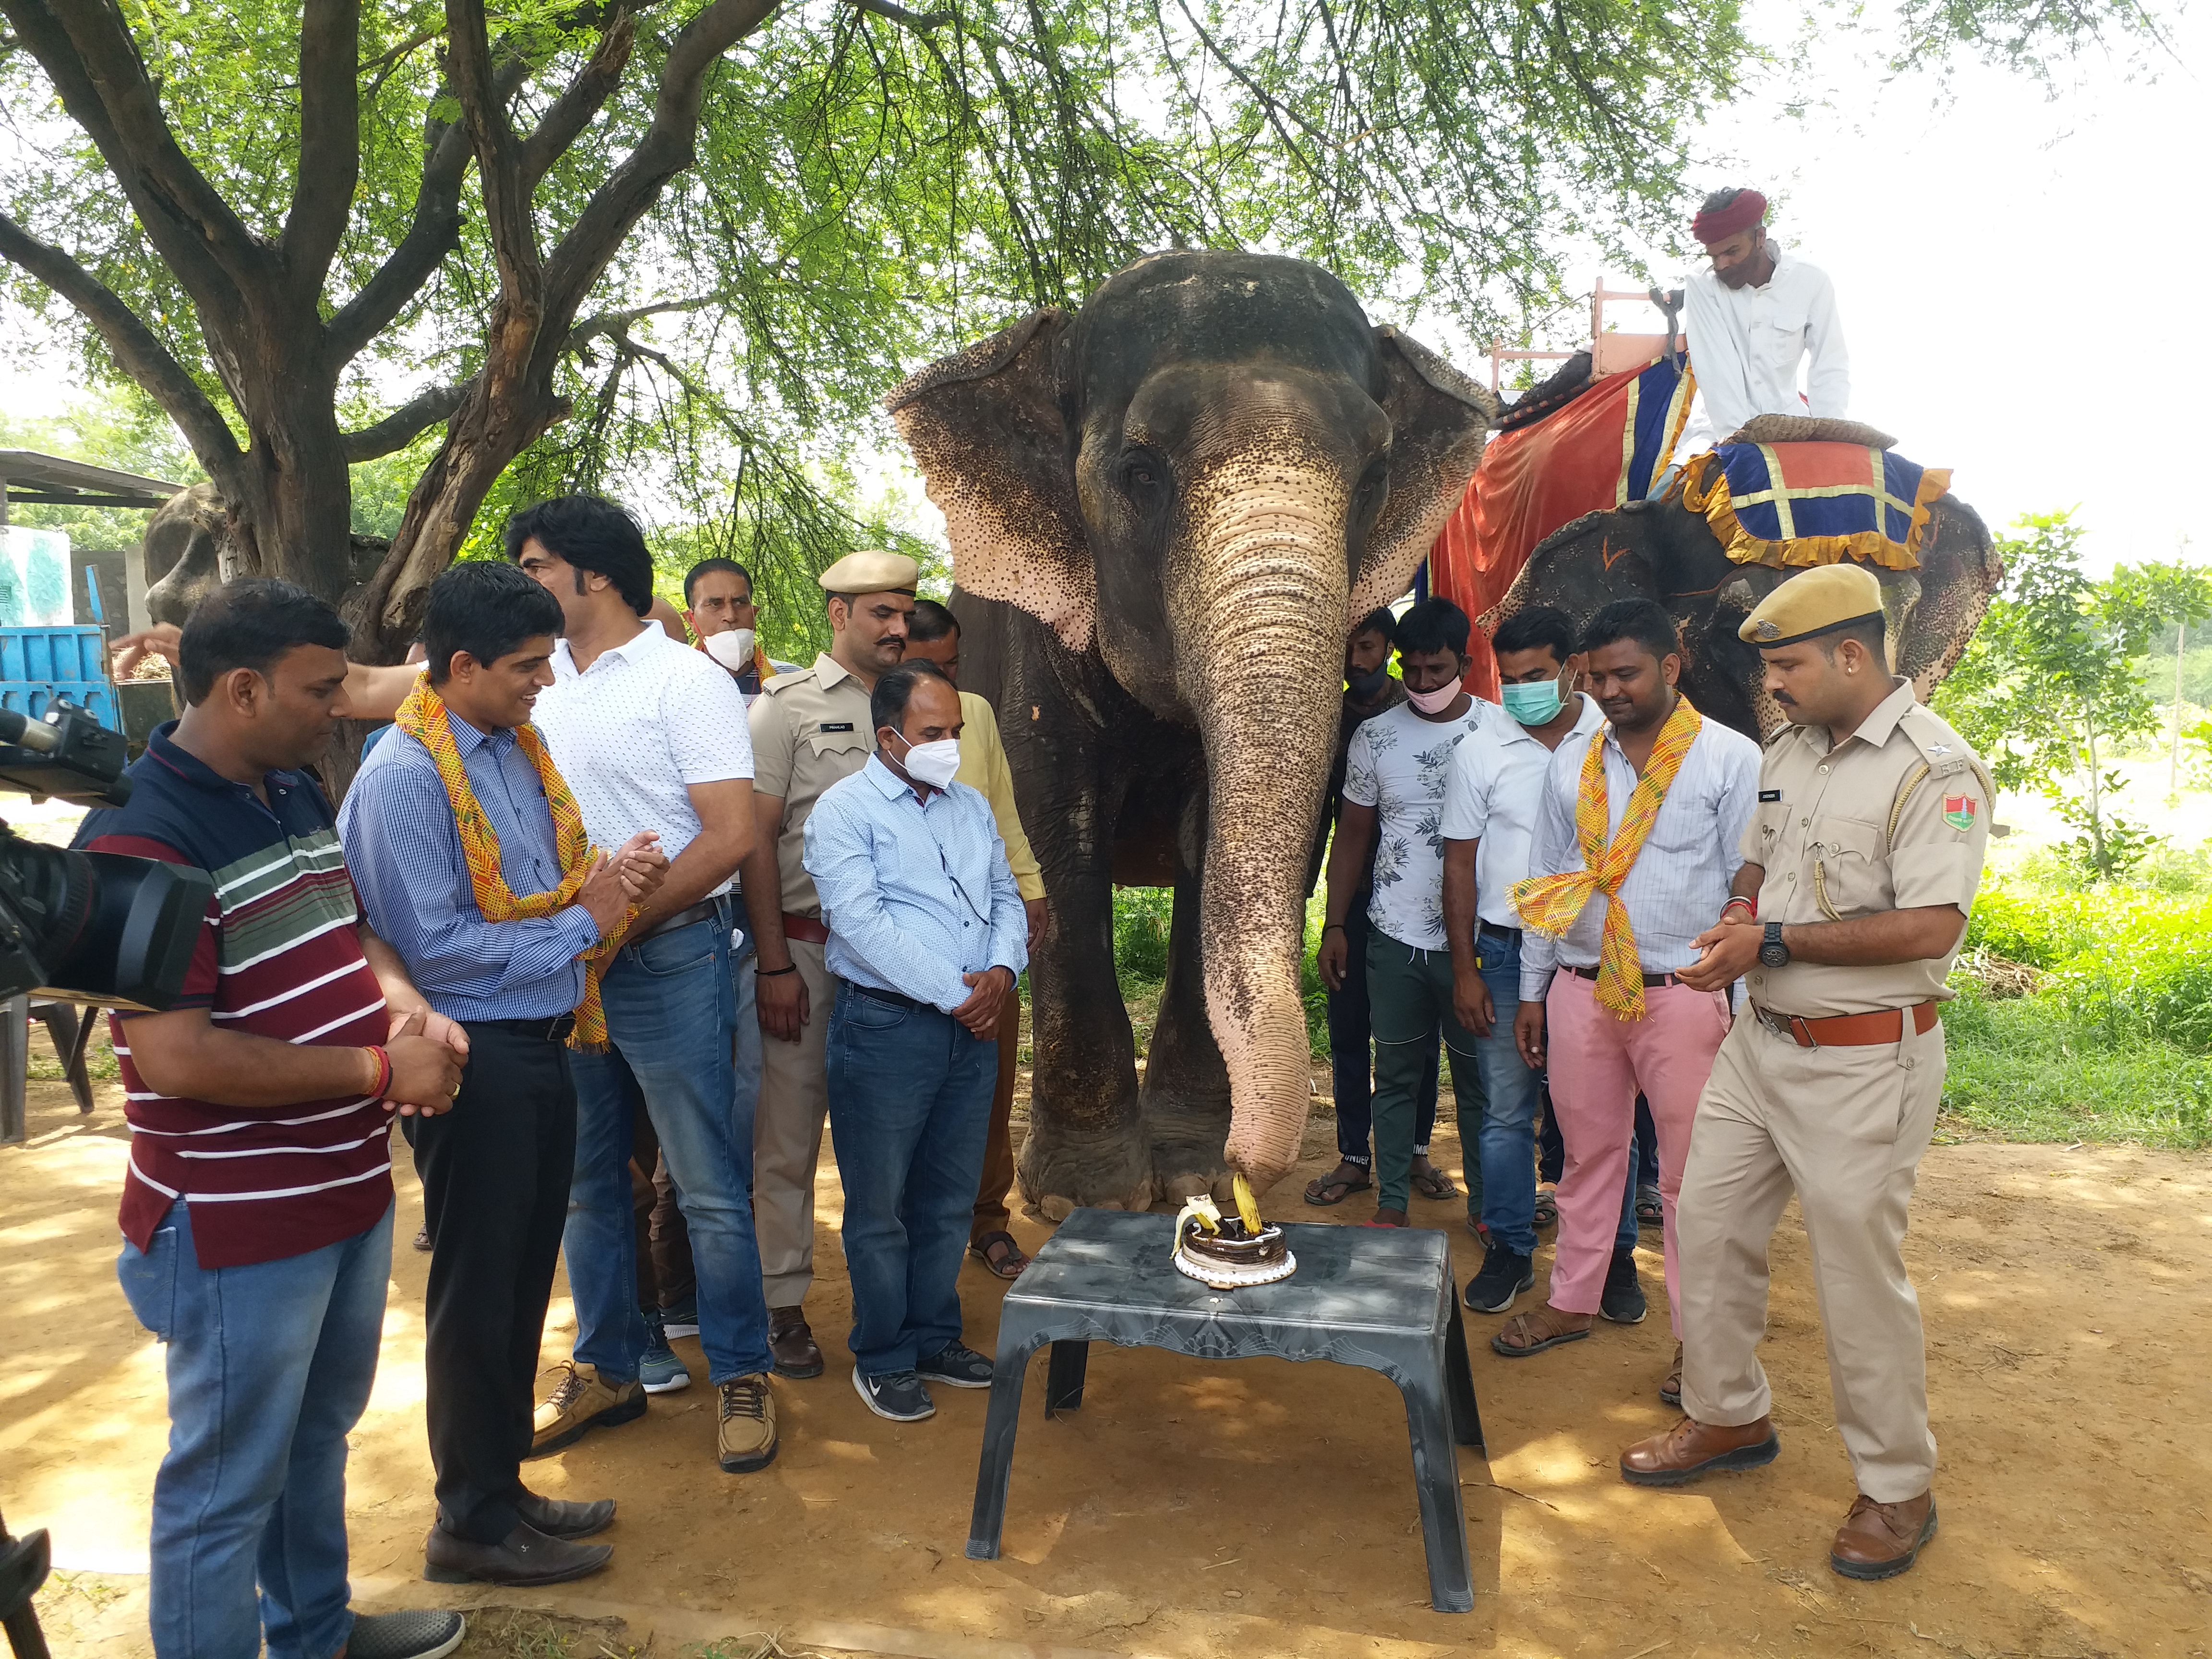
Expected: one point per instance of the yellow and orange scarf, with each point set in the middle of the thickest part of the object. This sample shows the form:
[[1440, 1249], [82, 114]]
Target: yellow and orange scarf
[[1550, 903], [422, 717]]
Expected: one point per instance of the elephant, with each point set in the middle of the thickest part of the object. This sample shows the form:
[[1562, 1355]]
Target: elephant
[[1162, 509], [1660, 549], [187, 554]]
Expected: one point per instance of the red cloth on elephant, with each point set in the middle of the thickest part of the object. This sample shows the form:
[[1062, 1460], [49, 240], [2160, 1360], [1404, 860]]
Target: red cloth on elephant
[[1593, 454]]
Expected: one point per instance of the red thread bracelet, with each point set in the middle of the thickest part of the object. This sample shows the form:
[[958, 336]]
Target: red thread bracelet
[[382, 1087], [1750, 904]]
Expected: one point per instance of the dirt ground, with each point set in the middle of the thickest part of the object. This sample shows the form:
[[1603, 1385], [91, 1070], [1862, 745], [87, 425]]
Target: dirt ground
[[1258, 1507]]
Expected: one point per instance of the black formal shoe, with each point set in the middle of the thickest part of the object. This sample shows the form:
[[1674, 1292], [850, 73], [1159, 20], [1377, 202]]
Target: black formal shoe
[[557, 1518], [524, 1556], [1622, 1299]]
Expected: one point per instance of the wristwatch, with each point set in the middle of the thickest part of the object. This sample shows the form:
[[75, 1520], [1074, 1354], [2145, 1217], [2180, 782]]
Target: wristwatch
[[1771, 950]]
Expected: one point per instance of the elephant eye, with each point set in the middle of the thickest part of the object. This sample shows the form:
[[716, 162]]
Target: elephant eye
[[1140, 471]]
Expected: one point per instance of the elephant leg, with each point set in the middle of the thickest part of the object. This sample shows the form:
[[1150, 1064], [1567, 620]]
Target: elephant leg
[[1084, 1145], [1186, 1094]]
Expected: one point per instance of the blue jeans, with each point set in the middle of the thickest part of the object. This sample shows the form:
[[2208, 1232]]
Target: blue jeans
[[746, 1054], [269, 1367], [671, 1009], [909, 1107], [1504, 1200]]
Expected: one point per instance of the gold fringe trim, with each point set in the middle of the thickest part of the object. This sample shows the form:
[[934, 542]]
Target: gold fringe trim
[[1704, 489]]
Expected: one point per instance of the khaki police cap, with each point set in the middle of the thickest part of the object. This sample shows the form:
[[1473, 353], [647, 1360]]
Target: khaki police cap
[[872, 570], [1814, 602]]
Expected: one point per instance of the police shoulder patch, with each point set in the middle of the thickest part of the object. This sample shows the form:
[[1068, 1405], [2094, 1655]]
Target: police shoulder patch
[[1959, 810]]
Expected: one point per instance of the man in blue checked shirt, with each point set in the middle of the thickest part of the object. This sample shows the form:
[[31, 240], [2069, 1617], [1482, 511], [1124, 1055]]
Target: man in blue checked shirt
[[927, 937], [496, 1169]]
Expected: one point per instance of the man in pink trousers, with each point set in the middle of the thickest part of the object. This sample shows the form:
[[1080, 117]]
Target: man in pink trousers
[[1636, 841]]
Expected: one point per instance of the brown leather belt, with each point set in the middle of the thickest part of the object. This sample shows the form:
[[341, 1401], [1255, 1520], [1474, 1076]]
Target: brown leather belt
[[1847, 1030], [805, 929], [1650, 980]]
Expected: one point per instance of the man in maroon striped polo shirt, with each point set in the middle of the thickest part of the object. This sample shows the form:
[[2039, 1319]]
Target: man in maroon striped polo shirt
[[257, 1206]]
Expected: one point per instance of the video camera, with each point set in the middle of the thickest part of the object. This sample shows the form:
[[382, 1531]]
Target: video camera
[[94, 927]]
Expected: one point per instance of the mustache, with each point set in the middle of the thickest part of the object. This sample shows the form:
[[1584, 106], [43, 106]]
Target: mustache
[[1785, 698]]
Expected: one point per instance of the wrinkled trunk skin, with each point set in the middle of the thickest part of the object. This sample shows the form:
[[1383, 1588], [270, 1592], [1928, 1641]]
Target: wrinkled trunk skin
[[1258, 599]]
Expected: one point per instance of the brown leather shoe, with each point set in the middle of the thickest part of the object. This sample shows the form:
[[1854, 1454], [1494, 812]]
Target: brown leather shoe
[[791, 1344], [1880, 1541], [1691, 1448]]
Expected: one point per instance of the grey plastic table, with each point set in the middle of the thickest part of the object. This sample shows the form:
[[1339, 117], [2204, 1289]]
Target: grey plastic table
[[1379, 1297]]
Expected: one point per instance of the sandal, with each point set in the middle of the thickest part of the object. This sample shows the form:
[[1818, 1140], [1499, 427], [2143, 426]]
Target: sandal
[[1379, 1222], [1548, 1204], [1333, 1188], [1670, 1391], [1649, 1211], [998, 1252], [1433, 1182], [1534, 1333]]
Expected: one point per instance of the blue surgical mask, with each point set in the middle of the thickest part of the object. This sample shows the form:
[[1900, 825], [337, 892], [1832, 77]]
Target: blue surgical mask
[[1532, 705]]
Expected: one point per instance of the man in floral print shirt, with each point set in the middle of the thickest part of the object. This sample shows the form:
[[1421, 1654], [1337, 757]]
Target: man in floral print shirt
[[1394, 792]]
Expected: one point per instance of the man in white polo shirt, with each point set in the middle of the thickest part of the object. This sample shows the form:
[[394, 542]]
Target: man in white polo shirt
[[1491, 796], [652, 735]]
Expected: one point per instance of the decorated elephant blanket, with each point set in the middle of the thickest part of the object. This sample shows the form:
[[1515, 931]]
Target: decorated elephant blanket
[[1599, 449], [1789, 505]]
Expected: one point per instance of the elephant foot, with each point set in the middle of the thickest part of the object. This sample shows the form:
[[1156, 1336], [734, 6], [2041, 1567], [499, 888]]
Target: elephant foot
[[1062, 1170]]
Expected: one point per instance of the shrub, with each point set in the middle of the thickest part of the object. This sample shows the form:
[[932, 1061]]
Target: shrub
[[1142, 917]]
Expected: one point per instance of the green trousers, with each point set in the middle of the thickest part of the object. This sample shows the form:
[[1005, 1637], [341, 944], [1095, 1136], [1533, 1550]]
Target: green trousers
[[1409, 998]]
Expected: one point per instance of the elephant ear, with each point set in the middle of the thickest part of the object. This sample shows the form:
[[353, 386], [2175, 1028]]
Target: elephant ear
[[985, 430], [1438, 420]]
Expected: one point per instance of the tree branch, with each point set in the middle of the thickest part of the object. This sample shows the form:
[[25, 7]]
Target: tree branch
[[95, 67], [579, 100], [405, 423], [920, 22], [498, 169], [330, 143], [431, 236], [137, 349], [613, 324], [670, 145]]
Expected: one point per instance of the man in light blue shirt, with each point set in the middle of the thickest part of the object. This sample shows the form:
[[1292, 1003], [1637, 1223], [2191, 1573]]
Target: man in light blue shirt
[[927, 937], [495, 1168]]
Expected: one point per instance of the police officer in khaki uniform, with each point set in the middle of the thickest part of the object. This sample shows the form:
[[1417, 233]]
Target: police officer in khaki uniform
[[810, 729], [1859, 867]]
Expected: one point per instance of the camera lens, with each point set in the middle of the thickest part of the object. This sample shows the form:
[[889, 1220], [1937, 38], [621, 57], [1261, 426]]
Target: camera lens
[[97, 928]]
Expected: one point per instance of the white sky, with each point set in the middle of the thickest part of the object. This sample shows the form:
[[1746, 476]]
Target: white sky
[[2018, 276]]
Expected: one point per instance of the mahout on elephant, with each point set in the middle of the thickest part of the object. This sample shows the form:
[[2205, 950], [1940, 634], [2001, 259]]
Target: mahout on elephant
[[1162, 509], [1662, 550]]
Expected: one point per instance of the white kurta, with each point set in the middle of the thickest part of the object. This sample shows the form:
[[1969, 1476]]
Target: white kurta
[[1746, 345]]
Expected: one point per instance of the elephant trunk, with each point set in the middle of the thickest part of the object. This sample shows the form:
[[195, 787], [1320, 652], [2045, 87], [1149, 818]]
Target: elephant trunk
[[1266, 584]]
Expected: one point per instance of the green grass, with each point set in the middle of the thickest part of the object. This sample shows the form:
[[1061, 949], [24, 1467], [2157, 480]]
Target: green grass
[[2019, 1070], [2115, 1042]]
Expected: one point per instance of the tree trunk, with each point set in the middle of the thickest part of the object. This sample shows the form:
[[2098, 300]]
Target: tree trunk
[[501, 416]]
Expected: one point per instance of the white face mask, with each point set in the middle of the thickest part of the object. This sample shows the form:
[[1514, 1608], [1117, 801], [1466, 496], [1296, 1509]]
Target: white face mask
[[733, 649], [932, 763]]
